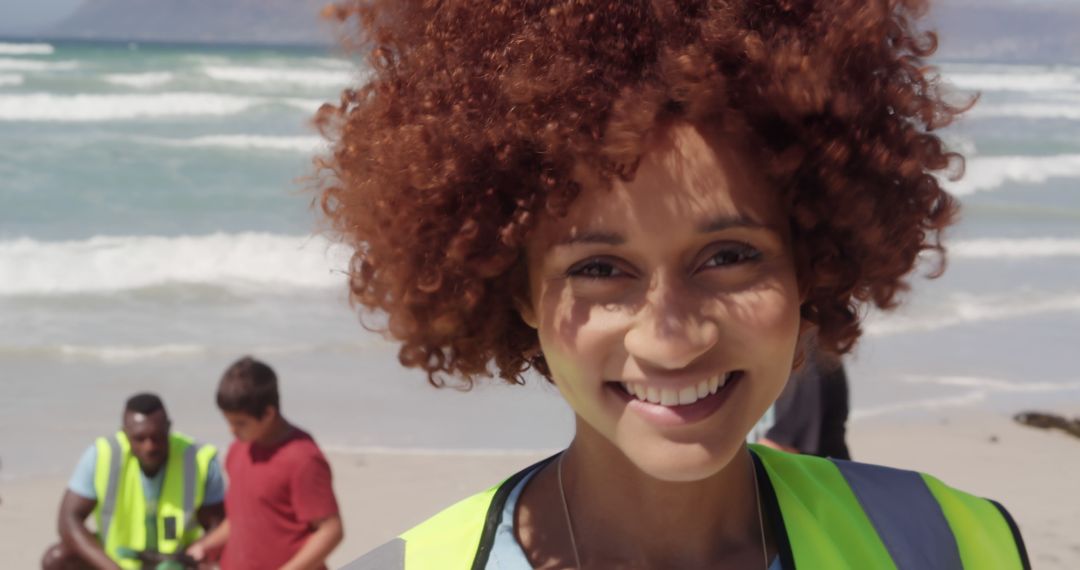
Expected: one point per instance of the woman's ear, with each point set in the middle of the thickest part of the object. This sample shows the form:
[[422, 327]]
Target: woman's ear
[[806, 328], [525, 309], [520, 292], [807, 336]]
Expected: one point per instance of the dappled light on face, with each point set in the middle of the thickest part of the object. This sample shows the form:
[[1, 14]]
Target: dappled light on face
[[671, 328], [571, 314], [771, 306]]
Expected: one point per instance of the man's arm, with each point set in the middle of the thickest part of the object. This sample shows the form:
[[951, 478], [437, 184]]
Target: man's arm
[[208, 546], [328, 534], [73, 532], [312, 495], [210, 516]]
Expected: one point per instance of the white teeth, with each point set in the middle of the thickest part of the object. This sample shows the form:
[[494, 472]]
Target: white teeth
[[687, 395], [653, 395], [668, 397], [671, 397], [702, 389]]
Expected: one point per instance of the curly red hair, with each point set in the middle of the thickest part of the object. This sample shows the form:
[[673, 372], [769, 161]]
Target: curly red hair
[[477, 113]]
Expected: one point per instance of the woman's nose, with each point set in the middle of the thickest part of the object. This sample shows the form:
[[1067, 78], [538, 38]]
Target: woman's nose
[[670, 332]]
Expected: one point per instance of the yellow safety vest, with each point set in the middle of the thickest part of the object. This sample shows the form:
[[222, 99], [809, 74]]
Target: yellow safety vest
[[121, 510], [827, 515]]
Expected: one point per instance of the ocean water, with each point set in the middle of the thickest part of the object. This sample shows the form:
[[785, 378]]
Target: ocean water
[[154, 227]]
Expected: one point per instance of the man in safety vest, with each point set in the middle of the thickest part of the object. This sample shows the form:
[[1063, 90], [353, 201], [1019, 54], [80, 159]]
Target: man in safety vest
[[150, 491]]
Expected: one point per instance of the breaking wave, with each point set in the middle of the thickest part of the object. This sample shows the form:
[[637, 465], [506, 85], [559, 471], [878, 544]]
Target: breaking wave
[[300, 144], [991, 172], [109, 264], [13, 64], [1031, 110], [996, 248], [139, 80], [964, 309], [1026, 80], [273, 76], [26, 49], [979, 390], [85, 108]]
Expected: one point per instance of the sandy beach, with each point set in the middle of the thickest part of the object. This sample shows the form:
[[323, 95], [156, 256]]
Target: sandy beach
[[1032, 472]]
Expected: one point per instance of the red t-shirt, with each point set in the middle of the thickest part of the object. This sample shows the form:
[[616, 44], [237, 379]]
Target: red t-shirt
[[274, 495]]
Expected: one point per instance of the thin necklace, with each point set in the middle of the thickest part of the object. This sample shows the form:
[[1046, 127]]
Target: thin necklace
[[570, 525], [760, 522], [566, 511]]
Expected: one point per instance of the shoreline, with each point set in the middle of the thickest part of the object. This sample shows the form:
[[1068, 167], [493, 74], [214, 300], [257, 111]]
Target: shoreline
[[383, 492]]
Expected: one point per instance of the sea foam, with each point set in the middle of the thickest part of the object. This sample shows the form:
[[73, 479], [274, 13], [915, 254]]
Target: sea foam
[[109, 264], [978, 391], [274, 75], [139, 80], [123, 354], [305, 105], [300, 144], [83, 108], [1025, 248], [13, 64], [7, 79], [26, 49], [1067, 110], [1027, 81], [991, 172], [964, 400], [966, 309]]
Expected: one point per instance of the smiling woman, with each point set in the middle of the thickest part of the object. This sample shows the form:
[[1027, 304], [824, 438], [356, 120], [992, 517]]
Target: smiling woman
[[679, 279], [650, 203]]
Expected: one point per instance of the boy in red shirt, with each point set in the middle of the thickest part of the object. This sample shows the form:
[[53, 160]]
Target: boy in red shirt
[[279, 506]]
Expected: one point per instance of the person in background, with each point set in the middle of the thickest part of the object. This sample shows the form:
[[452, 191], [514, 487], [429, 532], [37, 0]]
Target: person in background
[[280, 507], [150, 490], [810, 416]]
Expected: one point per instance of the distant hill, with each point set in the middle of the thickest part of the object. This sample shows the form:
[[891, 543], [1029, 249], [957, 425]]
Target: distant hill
[[209, 21], [996, 30]]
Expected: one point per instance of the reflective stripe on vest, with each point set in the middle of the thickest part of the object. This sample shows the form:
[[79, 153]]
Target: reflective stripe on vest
[[108, 506], [191, 476], [905, 515], [841, 514], [838, 515], [121, 509], [389, 556]]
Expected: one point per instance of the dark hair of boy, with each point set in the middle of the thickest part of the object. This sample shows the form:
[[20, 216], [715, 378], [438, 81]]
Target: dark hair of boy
[[249, 387], [143, 403]]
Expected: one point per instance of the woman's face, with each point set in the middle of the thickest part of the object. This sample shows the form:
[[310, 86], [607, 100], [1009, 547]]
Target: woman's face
[[667, 307]]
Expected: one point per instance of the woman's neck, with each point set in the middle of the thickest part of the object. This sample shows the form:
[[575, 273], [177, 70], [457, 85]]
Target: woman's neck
[[622, 517]]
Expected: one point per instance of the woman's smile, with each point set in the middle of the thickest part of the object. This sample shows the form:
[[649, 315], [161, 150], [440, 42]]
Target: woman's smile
[[667, 405]]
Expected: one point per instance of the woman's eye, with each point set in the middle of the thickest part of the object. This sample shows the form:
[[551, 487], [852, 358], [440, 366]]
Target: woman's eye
[[733, 256], [595, 269]]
